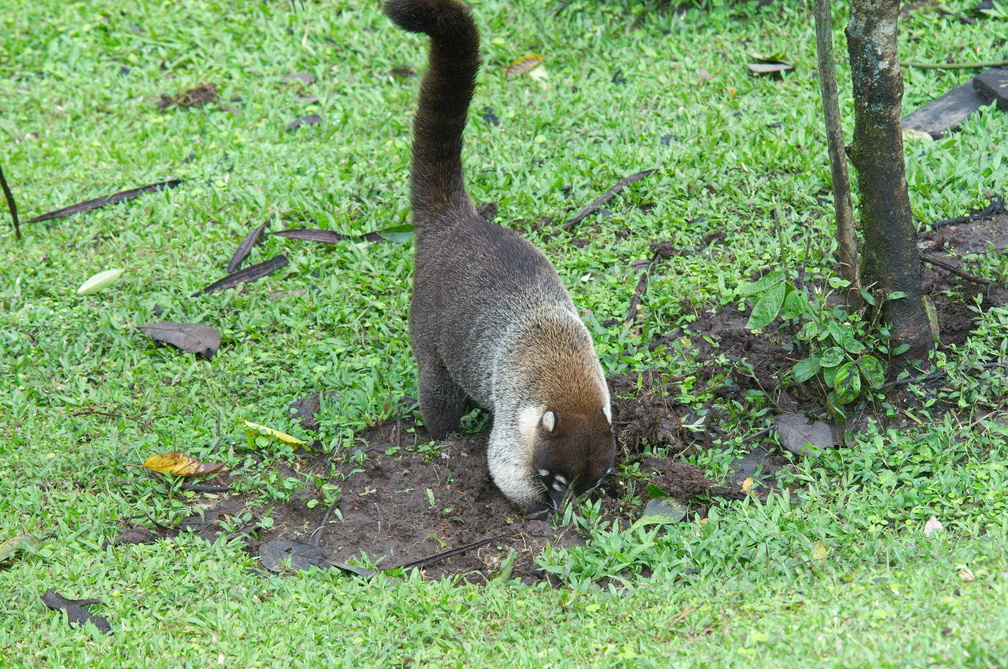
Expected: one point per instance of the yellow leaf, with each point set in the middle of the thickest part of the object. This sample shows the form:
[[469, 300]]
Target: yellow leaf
[[523, 65], [819, 551], [180, 464], [748, 483], [702, 521], [276, 434]]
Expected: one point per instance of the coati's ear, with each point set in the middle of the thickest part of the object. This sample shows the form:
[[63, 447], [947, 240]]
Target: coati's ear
[[549, 421], [607, 412]]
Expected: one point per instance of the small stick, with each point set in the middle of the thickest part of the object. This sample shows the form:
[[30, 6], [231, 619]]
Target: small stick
[[201, 487], [115, 198], [641, 287], [956, 66], [608, 195], [955, 270], [908, 381], [316, 536], [11, 205], [443, 555]]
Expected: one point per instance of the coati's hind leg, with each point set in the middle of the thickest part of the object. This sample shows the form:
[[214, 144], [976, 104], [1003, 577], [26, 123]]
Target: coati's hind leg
[[442, 401]]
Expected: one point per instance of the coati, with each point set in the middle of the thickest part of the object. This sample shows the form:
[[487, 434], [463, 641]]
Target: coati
[[489, 319]]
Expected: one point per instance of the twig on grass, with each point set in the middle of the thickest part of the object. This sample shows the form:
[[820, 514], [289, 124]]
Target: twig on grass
[[443, 555], [957, 66], [115, 198], [955, 270], [608, 195], [11, 205]]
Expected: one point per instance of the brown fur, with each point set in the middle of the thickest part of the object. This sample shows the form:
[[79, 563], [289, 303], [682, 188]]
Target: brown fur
[[490, 320]]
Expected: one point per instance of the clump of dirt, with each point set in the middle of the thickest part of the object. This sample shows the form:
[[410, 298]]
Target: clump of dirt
[[401, 505], [199, 96]]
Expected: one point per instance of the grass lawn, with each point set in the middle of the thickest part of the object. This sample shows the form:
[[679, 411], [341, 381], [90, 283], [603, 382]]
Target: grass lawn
[[624, 87]]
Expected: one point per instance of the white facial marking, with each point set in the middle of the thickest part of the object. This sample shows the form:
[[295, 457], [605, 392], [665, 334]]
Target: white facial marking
[[549, 421], [558, 487], [528, 418], [608, 413], [561, 478], [544, 472]]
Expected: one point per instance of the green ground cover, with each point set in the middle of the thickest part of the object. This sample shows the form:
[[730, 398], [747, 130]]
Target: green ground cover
[[628, 87]]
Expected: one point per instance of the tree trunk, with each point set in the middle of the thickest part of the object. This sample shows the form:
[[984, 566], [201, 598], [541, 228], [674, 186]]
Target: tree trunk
[[847, 247], [890, 260]]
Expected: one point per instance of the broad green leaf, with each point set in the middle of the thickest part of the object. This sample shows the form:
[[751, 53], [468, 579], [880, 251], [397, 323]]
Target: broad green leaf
[[398, 234], [805, 369], [809, 331], [99, 282], [767, 307], [662, 510], [795, 305], [654, 492], [771, 279], [897, 295], [847, 383], [829, 375], [832, 356], [872, 370], [868, 297]]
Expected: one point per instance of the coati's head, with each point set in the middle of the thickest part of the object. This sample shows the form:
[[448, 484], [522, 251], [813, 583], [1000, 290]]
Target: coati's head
[[572, 451]]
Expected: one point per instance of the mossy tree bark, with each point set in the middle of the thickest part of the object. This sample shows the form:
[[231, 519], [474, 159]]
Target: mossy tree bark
[[890, 260]]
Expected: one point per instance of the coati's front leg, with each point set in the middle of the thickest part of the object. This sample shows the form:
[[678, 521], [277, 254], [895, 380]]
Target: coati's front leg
[[442, 401]]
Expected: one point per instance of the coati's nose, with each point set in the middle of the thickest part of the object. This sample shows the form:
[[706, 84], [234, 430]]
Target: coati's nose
[[556, 488]]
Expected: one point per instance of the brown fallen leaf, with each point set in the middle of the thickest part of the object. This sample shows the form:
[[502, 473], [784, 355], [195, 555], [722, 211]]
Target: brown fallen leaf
[[310, 119], [11, 205], [769, 67], [306, 235], [190, 337], [395, 233], [299, 76], [523, 65], [115, 198], [251, 239], [194, 97], [75, 610], [180, 464], [246, 275]]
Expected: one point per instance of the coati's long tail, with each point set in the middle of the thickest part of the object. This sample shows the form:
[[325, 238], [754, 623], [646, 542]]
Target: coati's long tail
[[445, 95]]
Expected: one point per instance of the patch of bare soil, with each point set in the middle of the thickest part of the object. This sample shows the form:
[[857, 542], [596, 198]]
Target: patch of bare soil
[[407, 504]]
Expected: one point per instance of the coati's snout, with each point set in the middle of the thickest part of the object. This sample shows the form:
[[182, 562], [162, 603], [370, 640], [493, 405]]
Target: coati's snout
[[572, 453]]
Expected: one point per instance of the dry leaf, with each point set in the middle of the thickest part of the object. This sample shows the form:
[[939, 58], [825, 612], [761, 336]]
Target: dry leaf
[[769, 68], [932, 526], [966, 574], [819, 551], [180, 464], [276, 434], [797, 434], [748, 483], [75, 610], [190, 337], [523, 65]]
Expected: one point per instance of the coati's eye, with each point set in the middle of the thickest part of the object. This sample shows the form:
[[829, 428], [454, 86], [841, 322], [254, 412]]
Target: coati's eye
[[548, 421]]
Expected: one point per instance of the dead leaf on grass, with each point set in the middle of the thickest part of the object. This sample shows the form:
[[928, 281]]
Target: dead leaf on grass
[[115, 198], [310, 119], [180, 464], [769, 68], [797, 434], [270, 432], [243, 250], [299, 76], [22, 542], [190, 337], [75, 610], [194, 97], [523, 65], [966, 574], [932, 526], [402, 72], [273, 554], [247, 275], [395, 233], [819, 551]]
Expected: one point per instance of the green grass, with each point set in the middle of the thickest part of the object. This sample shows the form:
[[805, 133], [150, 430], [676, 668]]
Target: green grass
[[80, 86]]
